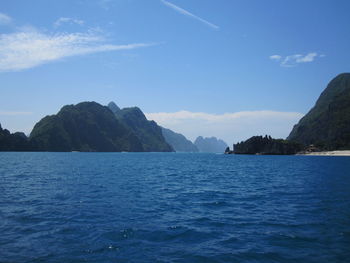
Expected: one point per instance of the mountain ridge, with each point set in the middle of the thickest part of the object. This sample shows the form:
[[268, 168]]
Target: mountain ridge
[[86, 126], [327, 124], [148, 132], [178, 141]]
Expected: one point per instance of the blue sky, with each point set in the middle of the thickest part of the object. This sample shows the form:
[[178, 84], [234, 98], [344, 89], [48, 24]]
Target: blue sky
[[247, 67]]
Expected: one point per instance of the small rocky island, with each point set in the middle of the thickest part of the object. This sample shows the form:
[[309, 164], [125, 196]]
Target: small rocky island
[[265, 146]]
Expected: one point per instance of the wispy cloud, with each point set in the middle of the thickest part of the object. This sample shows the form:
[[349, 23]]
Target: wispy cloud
[[294, 60], [14, 113], [31, 48], [5, 19], [63, 20], [298, 58], [187, 13], [276, 57], [232, 127]]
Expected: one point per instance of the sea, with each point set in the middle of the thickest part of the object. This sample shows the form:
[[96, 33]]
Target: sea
[[173, 207]]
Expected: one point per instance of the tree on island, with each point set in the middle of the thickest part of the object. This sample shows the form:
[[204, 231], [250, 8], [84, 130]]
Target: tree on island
[[267, 145]]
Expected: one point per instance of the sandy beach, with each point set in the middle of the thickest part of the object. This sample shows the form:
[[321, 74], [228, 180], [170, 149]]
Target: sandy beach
[[330, 153]]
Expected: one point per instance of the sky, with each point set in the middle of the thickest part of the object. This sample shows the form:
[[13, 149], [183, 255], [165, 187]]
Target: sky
[[225, 68]]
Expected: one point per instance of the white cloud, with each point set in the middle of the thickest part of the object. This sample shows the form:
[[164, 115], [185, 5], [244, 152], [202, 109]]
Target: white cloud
[[187, 13], [63, 20], [5, 19], [307, 58], [30, 48], [294, 60], [231, 127], [14, 113], [276, 57]]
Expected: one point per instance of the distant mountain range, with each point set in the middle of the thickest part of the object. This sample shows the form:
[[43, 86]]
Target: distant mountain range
[[91, 127], [210, 145]]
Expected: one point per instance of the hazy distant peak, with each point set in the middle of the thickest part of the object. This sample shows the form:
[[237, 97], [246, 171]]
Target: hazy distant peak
[[210, 144], [113, 107]]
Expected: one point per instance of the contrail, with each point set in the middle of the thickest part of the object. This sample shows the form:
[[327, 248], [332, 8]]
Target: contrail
[[186, 13]]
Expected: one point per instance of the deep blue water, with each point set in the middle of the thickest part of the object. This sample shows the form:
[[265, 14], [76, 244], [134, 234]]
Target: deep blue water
[[167, 207]]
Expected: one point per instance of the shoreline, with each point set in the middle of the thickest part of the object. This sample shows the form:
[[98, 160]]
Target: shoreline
[[328, 153]]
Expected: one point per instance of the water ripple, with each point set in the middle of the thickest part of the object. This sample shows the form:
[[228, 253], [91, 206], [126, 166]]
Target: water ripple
[[159, 207]]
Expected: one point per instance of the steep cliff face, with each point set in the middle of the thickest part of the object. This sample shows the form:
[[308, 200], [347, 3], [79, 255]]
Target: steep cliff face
[[178, 141], [148, 132], [327, 124], [87, 126]]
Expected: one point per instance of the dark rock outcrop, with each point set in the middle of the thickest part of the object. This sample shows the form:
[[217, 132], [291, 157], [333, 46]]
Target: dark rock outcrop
[[228, 151], [267, 145], [13, 141]]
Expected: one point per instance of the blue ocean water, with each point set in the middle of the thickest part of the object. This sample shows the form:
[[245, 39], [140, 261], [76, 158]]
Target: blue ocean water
[[171, 207]]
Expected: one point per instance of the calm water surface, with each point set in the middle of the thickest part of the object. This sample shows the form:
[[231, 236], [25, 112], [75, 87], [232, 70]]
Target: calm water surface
[[167, 207]]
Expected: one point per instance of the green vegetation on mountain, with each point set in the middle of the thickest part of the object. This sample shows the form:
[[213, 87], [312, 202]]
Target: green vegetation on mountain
[[148, 132], [178, 141], [13, 141], [90, 127], [266, 145], [210, 145], [327, 125], [87, 126]]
